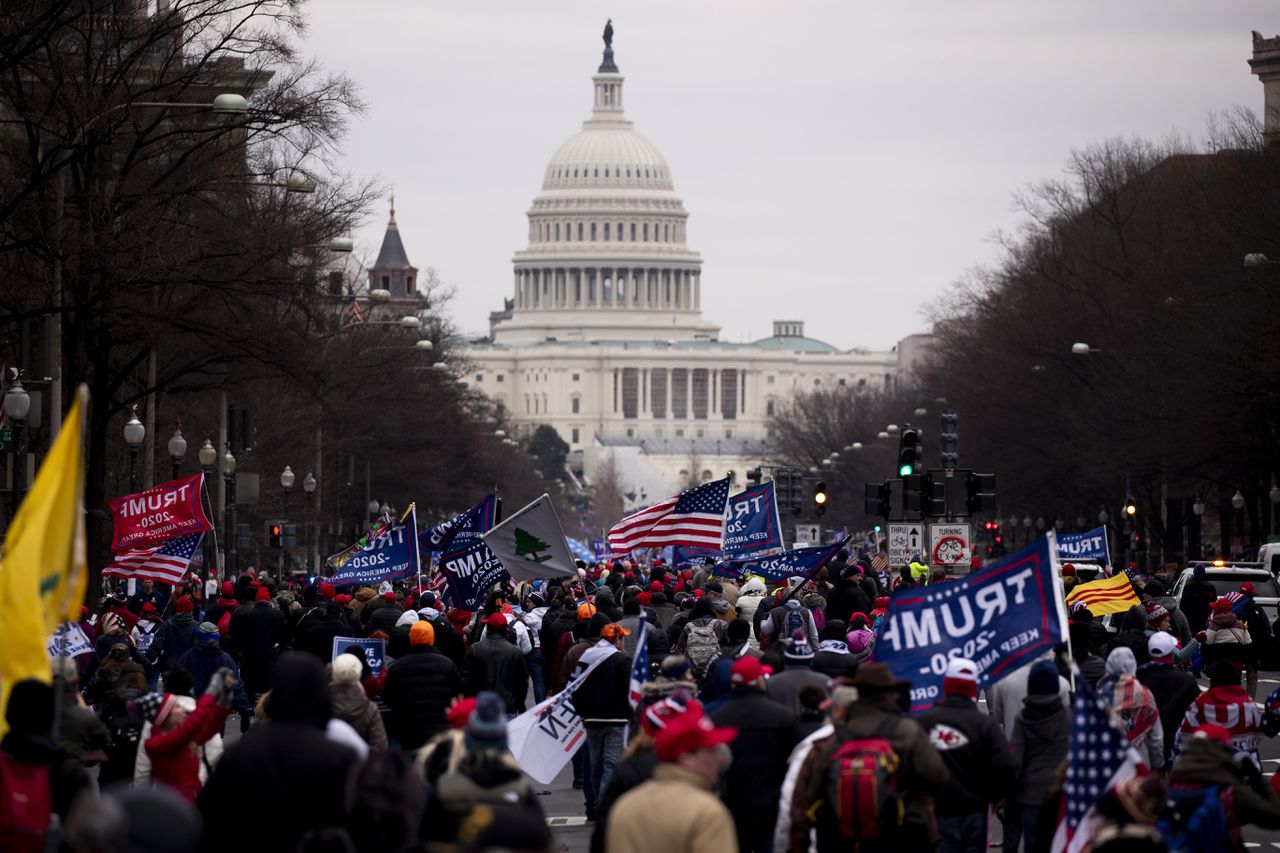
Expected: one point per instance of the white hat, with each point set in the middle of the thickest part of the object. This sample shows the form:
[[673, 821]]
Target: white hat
[[347, 669], [963, 669], [1161, 645]]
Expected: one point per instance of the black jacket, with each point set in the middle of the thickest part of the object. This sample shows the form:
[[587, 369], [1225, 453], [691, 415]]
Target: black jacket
[[766, 735], [1174, 691], [257, 629], [173, 639], [1040, 738], [631, 772], [555, 624], [846, 599], [495, 664], [418, 691], [319, 638], [1197, 603], [975, 751], [385, 618], [602, 700], [834, 664]]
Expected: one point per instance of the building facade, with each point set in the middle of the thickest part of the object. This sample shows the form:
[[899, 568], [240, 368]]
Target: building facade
[[604, 337]]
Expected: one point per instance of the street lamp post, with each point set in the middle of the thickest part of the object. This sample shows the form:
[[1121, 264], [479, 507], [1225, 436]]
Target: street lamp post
[[1274, 494], [177, 451], [309, 489], [17, 402], [286, 483], [207, 456], [1237, 503], [1197, 509], [134, 433], [229, 520]]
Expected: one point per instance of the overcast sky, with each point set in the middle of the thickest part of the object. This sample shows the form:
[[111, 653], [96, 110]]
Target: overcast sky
[[842, 162]]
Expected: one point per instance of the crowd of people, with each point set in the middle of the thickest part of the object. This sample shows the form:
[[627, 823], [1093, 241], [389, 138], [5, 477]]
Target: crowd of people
[[349, 744]]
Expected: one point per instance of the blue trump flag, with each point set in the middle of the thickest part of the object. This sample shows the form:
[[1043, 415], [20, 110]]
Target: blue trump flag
[[779, 567], [390, 556], [1002, 618], [751, 521], [470, 569], [1090, 545]]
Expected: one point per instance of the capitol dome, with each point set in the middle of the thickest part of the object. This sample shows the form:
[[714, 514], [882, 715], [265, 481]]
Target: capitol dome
[[607, 158], [607, 257]]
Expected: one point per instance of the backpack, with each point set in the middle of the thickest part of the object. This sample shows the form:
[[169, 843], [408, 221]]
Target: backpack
[[702, 648], [792, 620], [1198, 820], [26, 804], [860, 793]]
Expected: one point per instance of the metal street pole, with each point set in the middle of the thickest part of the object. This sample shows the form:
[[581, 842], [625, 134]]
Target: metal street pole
[[133, 470], [230, 526]]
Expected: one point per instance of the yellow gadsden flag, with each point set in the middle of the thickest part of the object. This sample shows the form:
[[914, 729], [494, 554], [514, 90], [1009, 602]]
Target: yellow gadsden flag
[[1105, 595], [43, 569]]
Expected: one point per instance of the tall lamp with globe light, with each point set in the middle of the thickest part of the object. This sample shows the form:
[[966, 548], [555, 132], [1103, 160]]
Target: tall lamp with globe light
[[286, 483], [229, 524], [134, 433], [309, 485], [207, 456], [1197, 510], [177, 451], [17, 403]]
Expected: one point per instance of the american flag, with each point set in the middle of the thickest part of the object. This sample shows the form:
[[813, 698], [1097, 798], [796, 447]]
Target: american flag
[[693, 517], [1099, 758], [354, 312], [167, 562], [640, 667]]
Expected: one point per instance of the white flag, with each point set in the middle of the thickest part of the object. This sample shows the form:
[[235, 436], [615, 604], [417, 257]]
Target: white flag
[[545, 737], [530, 543]]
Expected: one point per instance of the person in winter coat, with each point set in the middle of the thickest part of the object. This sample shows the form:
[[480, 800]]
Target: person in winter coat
[[654, 638], [1259, 626], [977, 755], [143, 634], [664, 612], [639, 760], [1040, 737], [1227, 638], [223, 604], [419, 689], [766, 735], [701, 638], [287, 762], [682, 792], [798, 672], [485, 776], [1197, 600], [860, 639], [1132, 634], [495, 664], [750, 594], [783, 622], [257, 630], [920, 775], [318, 638], [602, 700], [1133, 707], [349, 704], [175, 637], [1179, 625], [174, 733], [1091, 666], [1225, 704], [833, 658], [386, 616], [848, 597], [205, 658], [1173, 689], [1209, 761]]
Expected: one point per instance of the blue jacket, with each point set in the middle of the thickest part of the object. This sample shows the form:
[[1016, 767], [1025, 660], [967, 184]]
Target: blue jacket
[[202, 661]]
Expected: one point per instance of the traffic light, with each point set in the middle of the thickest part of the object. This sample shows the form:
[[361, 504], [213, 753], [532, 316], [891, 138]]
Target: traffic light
[[909, 451], [876, 499], [980, 492], [820, 497], [914, 501], [949, 440], [755, 476], [788, 484], [1130, 507], [275, 534], [935, 494]]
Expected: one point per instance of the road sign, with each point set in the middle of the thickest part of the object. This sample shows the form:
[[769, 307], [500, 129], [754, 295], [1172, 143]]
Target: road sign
[[6, 438], [905, 542], [949, 545], [808, 533]]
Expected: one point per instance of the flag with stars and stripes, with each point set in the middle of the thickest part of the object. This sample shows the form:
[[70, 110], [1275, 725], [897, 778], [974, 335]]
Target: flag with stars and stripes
[[640, 666], [1099, 758], [166, 562], [693, 517]]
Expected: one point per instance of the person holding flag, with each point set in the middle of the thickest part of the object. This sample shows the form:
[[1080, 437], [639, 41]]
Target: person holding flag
[[603, 700]]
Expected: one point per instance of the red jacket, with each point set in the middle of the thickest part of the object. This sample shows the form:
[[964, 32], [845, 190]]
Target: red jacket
[[173, 756]]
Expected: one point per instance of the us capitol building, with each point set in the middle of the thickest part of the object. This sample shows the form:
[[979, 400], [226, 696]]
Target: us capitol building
[[605, 340]]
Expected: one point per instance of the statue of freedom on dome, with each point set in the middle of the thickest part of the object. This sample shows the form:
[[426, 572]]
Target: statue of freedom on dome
[[608, 33]]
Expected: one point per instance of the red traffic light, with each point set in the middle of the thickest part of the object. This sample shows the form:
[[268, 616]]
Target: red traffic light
[[275, 530]]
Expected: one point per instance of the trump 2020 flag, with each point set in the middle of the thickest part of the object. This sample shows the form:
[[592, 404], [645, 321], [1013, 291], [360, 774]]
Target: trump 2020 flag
[[693, 517], [530, 543], [780, 567]]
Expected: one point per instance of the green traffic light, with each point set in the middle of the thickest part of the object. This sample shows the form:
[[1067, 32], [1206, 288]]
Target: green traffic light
[[877, 528], [905, 470]]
